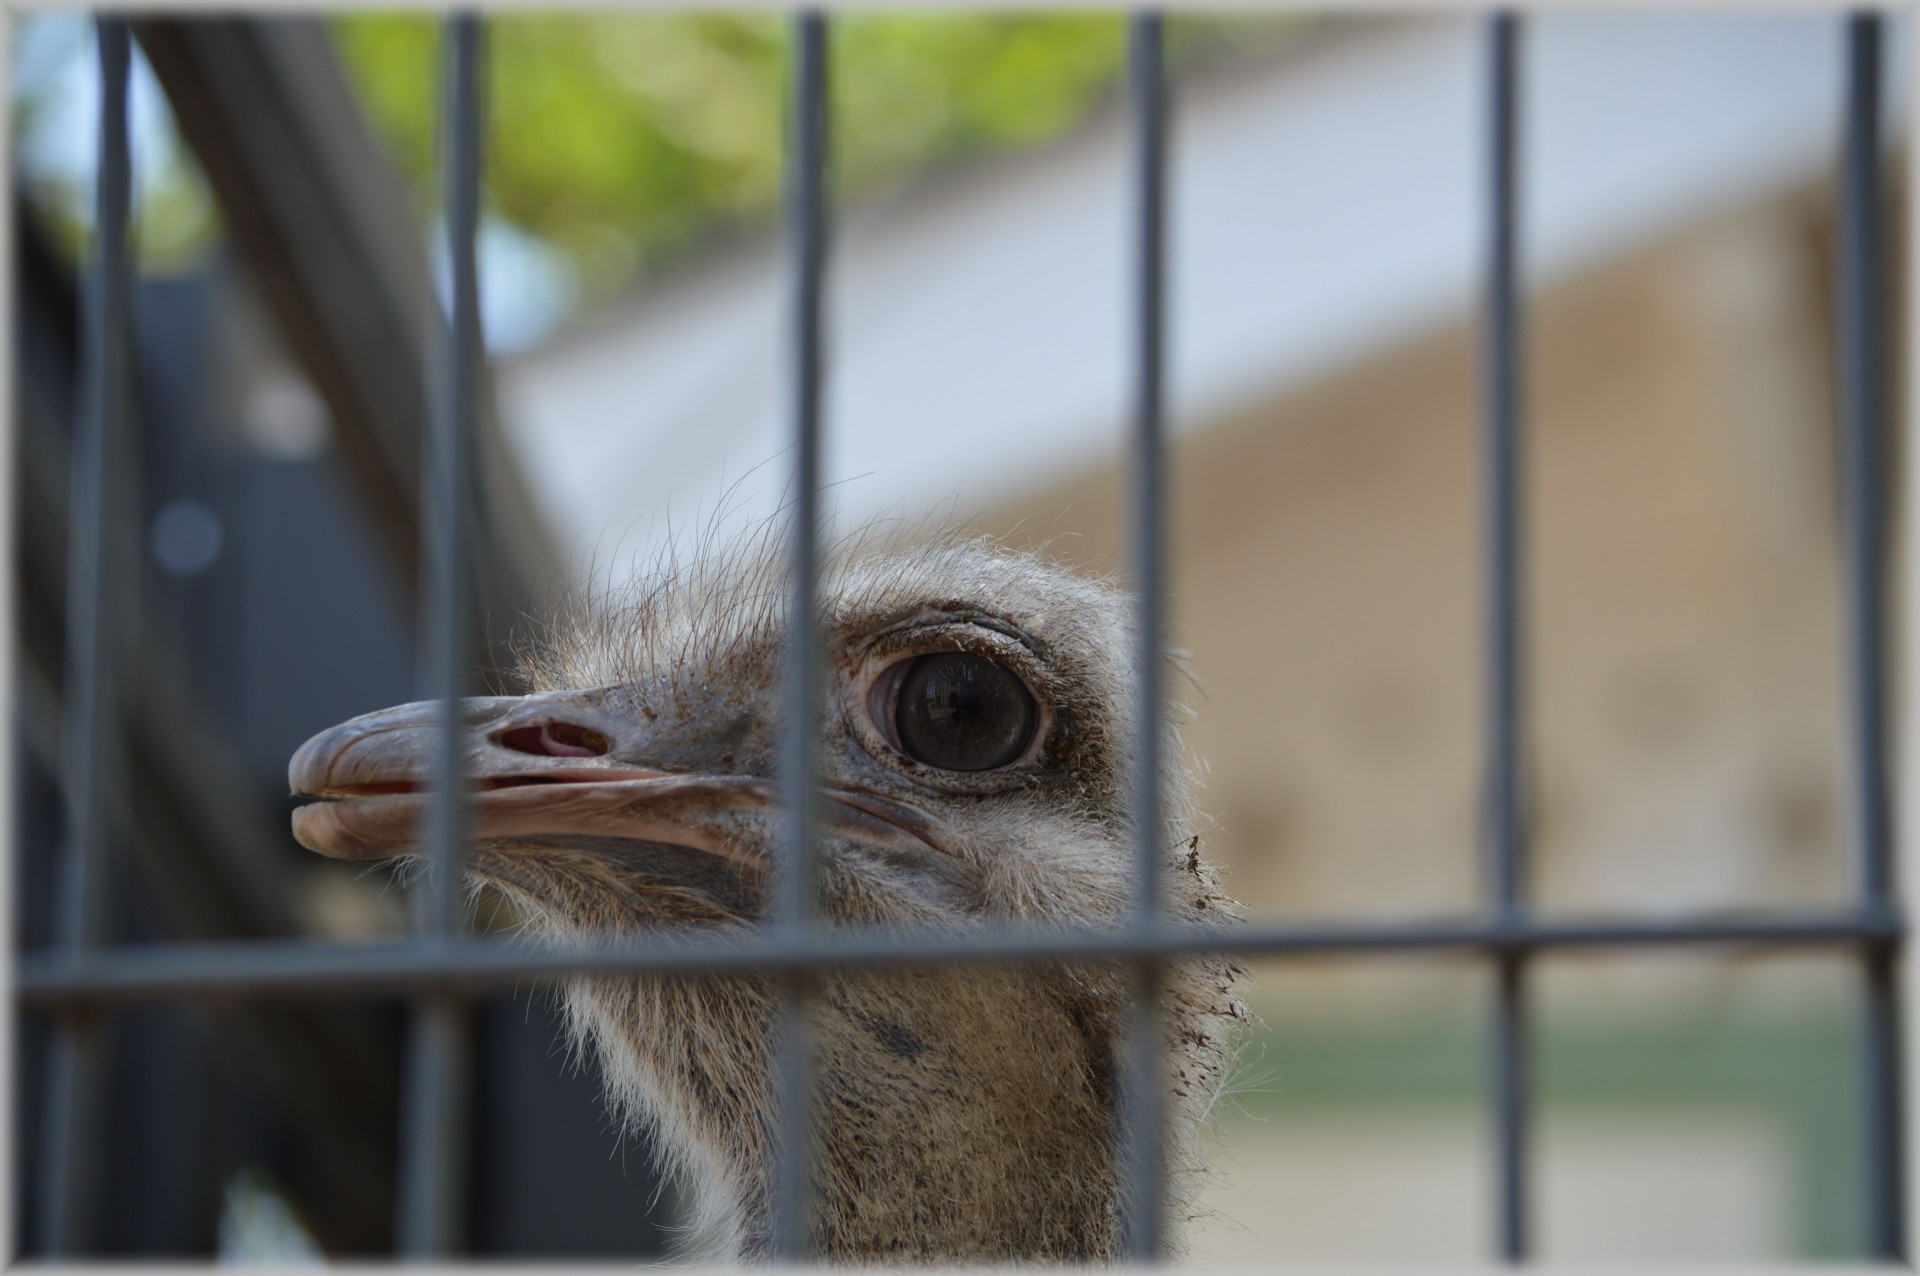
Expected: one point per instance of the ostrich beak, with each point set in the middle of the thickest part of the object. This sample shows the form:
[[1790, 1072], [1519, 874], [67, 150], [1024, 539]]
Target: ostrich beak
[[562, 764]]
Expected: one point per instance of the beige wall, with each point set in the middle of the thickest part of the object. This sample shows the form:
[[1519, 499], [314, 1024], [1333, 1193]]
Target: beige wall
[[1683, 627]]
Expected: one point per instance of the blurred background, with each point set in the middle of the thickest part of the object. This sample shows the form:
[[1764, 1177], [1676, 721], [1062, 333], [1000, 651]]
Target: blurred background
[[1326, 241]]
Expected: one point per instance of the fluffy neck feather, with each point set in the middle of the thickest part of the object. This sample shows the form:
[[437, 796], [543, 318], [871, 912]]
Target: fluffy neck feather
[[958, 1114]]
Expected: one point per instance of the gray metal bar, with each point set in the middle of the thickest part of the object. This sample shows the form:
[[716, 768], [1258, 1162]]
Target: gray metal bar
[[799, 777], [1883, 1106], [96, 545], [1860, 339], [430, 1215], [97, 516], [149, 972], [1502, 458], [433, 1147], [70, 1138], [1141, 1113], [448, 464], [1508, 1086]]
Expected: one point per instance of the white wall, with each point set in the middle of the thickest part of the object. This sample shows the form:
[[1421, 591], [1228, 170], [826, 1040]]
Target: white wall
[[1323, 208]]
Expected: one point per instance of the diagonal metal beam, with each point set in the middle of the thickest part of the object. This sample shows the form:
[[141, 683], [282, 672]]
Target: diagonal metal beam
[[321, 221]]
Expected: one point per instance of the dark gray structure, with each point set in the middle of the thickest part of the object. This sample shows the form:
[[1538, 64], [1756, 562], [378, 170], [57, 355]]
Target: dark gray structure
[[305, 600]]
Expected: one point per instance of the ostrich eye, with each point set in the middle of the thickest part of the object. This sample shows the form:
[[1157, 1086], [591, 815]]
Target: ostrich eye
[[961, 712]]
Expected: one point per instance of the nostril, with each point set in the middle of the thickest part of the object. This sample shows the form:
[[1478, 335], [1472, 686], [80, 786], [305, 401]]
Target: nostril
[[569, 740], [555, 740]]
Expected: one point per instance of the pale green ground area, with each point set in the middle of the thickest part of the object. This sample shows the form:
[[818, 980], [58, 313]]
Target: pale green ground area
[[1654, 1140]]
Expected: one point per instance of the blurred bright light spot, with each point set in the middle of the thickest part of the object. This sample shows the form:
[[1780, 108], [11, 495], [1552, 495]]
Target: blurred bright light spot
[[258, 1226], [55, 92], [186, 537], [527, 287], [284, 419]]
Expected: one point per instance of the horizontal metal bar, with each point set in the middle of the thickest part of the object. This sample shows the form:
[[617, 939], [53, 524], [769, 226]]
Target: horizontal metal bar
[[141, 973]]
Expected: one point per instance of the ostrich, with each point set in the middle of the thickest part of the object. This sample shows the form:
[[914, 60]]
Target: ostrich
[[973, 741]]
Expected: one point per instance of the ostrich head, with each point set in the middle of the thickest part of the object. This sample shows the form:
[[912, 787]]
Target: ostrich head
[[974, 734]]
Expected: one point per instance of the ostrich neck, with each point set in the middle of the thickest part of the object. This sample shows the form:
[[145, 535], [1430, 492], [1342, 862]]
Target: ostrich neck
[[957, 1115]]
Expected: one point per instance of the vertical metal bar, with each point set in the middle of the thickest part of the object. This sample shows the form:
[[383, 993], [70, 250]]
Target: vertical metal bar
[[1503, 460], [433, 1151], [799, 778], [1860, 355], [97, 539], [1509, 1085], [1141, 1116], [430, 1218], [448, 466]]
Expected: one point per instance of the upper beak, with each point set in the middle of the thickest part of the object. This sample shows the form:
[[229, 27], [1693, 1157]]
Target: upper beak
[[568, 763], [542, 764]]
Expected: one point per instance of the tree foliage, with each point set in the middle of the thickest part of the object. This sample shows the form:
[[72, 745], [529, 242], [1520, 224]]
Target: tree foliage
[[619, 140], [623, 138]]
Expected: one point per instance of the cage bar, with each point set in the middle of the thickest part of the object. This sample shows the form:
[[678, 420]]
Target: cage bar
[[1860, 339], [1141, 1116], [263, 968], [794, 906], [1502, 460], [98, 540], [434, 1133], [448, 469], [430, 1215]]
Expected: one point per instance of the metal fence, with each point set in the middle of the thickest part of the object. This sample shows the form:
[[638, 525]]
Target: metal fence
[[441, 970]]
